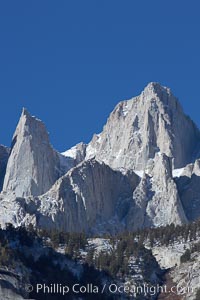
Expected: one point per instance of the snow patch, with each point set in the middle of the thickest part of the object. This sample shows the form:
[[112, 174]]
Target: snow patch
[[100, 245], [91, 152], [177, 172], [70, 153], [139, 173]]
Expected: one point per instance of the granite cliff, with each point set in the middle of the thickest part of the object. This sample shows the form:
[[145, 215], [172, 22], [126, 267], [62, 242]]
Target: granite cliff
[[127, 177]]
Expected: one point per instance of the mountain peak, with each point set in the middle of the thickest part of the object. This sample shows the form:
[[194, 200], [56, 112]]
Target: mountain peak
[[139, 128], [145, 135], [25, 112], [26, 115], [156, 88], [155, 85], [31, 168]]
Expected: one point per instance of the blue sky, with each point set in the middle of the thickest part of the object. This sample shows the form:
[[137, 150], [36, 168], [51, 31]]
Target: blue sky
[[69, 62]]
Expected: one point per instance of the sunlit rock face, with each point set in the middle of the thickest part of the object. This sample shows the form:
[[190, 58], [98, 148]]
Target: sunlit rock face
[[138, 128], [90, 197], [33, 166], [139, 172]]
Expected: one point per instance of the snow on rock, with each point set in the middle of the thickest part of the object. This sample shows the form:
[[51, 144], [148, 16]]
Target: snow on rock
[[71, 152], [186, 275], [169, 256], [100, 245], [177, 172], [139, 173], [77, 152]]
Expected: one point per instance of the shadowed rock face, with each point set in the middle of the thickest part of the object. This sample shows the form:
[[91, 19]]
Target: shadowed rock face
[[189, 190], [140, 127], [4, 153], [10, 286]]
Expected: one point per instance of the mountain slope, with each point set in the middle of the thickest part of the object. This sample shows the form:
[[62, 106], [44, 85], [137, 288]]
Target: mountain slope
[[89, 197], [33, 166], [94, 198]]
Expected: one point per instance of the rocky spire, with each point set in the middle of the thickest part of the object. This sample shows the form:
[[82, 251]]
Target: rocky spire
[[156, 200], [31, 168]]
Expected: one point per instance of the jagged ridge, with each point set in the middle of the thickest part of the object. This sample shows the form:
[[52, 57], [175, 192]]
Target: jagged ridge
[[101, 190]]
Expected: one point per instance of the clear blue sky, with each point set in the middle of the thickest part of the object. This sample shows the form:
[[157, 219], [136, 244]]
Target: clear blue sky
[[70, 61]]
